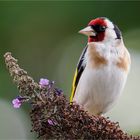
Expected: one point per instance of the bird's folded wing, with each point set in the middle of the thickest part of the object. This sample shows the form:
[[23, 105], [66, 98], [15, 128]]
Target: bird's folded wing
[[79, 70]]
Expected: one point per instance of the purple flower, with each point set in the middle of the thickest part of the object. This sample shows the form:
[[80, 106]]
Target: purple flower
[[16, 103], [58, 91], [50, 122], [44, 82]]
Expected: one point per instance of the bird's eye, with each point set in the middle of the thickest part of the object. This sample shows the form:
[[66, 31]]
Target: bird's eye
[[98, 28], [102, 28]]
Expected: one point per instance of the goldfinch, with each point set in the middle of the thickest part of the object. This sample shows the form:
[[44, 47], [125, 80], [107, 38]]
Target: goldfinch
[[102, 69]]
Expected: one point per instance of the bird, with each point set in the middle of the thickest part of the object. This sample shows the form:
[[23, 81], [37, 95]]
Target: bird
[[102, 69]]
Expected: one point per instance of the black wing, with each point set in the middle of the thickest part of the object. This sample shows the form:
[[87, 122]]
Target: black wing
[[79, 70]]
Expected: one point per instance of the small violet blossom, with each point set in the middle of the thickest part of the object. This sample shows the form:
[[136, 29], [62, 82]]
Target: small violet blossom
[[50, 122], [58, 91], [44, 82], [16, 103]]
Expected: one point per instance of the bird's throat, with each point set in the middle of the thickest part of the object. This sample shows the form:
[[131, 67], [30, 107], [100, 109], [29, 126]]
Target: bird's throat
[[99, 37]]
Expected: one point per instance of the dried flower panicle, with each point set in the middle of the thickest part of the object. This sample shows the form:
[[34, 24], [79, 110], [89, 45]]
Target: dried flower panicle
[[53, 117], [71, 122]]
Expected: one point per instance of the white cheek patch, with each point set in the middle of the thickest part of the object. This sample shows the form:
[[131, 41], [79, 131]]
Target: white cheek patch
[[110, 33]]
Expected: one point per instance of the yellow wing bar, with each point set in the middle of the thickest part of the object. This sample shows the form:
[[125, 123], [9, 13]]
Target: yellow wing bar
[[73, 86]]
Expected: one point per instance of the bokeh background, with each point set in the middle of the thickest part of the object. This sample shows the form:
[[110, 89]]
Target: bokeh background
[[43, 36]]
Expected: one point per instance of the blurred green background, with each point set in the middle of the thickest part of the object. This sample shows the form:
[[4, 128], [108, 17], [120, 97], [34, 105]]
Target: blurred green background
[[43, 36]]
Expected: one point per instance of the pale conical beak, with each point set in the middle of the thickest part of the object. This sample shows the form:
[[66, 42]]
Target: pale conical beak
[[88, 31]]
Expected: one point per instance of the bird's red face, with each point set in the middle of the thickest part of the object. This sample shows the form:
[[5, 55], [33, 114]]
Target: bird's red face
[[101, 29], [95, 30]]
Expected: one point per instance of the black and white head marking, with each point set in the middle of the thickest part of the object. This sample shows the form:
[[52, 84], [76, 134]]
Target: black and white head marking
[[117, 31]]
